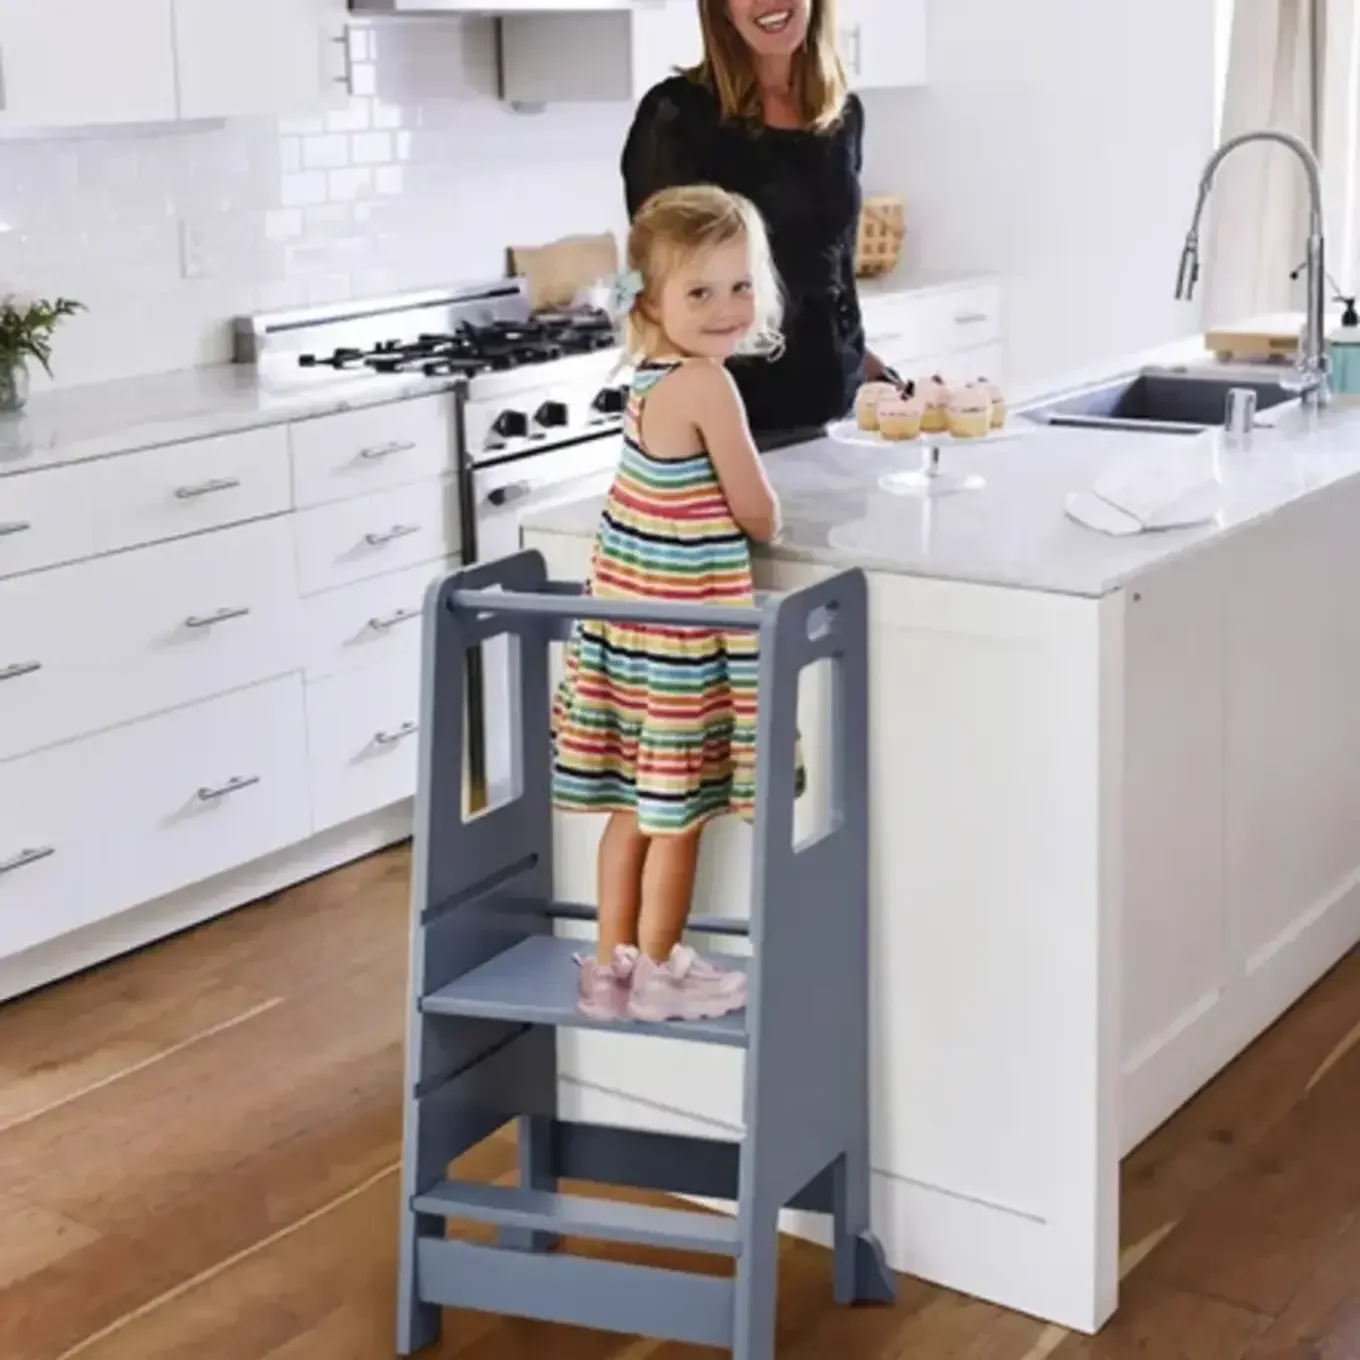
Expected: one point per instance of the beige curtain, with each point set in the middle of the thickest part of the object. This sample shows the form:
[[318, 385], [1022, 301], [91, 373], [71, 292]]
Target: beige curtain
[[1259, 209]]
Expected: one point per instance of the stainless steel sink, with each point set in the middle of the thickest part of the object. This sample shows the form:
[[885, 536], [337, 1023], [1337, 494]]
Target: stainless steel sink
[[1162, 400]]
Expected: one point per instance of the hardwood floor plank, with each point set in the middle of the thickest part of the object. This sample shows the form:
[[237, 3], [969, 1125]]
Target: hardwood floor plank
[[32, 1238], [1158, 1322]]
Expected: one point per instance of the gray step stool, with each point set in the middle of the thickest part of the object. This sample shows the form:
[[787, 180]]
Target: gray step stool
[[491, 983]]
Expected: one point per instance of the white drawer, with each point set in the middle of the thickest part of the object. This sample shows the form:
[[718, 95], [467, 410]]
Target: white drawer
[[51, 847], [911, 325], [45, 518], [965, 319], [335, 457], [183, 621], [356, 539], [51, 679], [371, 621], [204, 789], [101, 642], [184, 488], [362, 740]]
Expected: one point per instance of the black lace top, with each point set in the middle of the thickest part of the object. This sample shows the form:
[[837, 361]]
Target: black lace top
[[806, 185]]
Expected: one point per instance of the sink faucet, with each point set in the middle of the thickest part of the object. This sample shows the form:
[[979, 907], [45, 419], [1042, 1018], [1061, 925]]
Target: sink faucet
[[1313, 360]]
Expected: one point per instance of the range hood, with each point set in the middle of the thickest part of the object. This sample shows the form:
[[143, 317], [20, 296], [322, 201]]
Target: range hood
[[493, 7]]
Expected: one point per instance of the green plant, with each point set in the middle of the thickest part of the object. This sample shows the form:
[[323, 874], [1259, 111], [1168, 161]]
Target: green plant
[[26, 328]]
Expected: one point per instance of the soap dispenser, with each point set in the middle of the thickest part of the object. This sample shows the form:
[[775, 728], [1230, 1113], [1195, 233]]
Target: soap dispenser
[[1345, 349]]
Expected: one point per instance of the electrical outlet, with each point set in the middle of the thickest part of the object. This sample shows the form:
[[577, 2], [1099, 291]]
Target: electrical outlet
[[191, 262]]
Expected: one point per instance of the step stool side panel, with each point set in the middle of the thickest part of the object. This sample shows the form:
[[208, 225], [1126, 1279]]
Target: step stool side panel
[[806, 1099]]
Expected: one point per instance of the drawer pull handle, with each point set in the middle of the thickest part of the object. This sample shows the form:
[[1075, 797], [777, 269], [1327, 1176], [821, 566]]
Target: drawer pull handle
[[26, 857], [395, 532], [19, 668], [207, 795], [969, 318], [221, 616], [386, 450], [16, 526], [391, 620], [407, 729], [189, 493]]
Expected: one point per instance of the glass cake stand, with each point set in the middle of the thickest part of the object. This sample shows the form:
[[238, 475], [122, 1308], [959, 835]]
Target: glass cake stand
[[930, 478]]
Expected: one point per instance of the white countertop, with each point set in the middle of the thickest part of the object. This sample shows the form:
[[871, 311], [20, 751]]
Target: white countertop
[[1014, 531], [69, 425]]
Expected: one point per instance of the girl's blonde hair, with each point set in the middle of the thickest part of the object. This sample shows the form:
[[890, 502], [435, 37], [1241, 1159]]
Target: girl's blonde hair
[[669, 230], [819, 83]]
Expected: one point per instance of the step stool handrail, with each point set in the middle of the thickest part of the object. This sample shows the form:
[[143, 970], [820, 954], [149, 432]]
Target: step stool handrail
[[544, 605]]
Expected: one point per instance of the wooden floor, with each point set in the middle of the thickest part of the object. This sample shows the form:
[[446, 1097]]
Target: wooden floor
[[198, 1158]]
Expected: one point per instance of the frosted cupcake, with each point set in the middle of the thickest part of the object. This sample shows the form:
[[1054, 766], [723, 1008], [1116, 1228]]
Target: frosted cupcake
[[900, 417], [998, 401], [867, 400], [970, 412], [935, 393]]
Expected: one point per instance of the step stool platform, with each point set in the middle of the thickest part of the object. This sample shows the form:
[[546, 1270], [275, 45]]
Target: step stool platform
[[581, 1216], [534, 983]]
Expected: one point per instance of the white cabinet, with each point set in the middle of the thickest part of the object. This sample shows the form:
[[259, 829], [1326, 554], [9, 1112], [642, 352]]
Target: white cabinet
[[883, 42], [953, 331], [555, 57], [67, 63], [244, 58]]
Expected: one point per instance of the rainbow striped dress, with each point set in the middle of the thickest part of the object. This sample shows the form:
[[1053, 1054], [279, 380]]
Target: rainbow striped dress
[[656, 720]]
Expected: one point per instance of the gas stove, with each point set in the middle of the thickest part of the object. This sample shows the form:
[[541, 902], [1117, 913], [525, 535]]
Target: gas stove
[[479, 347], [529, 381]]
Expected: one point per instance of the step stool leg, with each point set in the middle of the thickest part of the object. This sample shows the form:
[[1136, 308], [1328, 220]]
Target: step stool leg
[[536, 1172], [862, 1274], [757, 1287], [418, 1323]]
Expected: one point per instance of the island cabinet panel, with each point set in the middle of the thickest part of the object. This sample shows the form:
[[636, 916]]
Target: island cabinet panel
[[1241, 813]]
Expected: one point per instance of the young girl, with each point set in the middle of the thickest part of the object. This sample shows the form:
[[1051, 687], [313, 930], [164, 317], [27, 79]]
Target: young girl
[[656, 725]]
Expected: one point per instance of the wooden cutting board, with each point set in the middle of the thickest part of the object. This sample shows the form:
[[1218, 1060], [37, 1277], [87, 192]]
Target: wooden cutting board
[[1265, 337], [554, 273]]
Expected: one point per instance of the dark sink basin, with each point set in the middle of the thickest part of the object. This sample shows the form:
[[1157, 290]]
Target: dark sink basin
[[1159, 400]]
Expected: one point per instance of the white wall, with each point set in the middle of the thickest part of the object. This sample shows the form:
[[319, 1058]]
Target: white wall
[[425, 181], [1059, 143]]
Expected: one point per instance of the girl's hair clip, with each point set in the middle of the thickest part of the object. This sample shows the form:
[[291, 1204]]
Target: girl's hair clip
[[624, 289]]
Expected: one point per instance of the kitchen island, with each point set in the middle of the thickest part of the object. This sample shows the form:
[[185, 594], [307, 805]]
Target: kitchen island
[[1116, 802]]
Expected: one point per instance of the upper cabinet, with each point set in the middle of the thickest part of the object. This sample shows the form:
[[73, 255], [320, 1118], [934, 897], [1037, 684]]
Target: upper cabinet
[[244, 58], [584, 53], [883, 42], [78, 63], [555, 57]]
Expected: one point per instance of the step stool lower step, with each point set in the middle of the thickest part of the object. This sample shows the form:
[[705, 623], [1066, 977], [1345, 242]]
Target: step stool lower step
[[534, 983], [580, 1216]]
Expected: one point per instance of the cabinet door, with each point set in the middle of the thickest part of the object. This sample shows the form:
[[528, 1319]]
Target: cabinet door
[[247, 58], [883, 42], [75, 63], [666, 35]]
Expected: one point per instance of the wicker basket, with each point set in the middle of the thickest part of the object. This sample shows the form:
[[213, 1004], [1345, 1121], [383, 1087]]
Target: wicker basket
[[882, 229]]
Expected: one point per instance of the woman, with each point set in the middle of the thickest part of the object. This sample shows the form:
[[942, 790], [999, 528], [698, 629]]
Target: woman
[[767, 115]]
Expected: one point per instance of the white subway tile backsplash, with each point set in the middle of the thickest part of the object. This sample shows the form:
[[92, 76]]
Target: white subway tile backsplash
[[167, 233]]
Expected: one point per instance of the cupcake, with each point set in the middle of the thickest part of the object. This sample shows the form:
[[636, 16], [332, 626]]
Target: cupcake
[[900, 417], [998, 401], [970, 412], [935, 393], [867, 400]]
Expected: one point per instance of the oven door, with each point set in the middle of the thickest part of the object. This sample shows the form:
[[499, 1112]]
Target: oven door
[[505, 494]]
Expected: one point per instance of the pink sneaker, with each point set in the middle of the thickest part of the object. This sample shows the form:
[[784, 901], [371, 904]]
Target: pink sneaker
[[685, 987], [602, 989]]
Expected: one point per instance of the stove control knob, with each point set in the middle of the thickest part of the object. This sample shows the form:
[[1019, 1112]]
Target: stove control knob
[[510, 425], [551, 414], [611, 401]]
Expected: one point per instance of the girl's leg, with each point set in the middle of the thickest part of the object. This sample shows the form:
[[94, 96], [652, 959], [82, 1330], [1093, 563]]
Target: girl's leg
[[667, 892], [619, 871]]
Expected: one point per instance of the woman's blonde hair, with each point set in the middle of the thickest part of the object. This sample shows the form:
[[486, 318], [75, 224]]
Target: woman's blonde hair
[[819, 83], [669, 230]]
